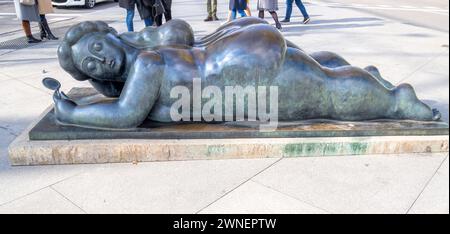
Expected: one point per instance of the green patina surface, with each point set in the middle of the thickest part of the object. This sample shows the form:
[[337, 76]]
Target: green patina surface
[[319, 149], [331, 149], [215, 149], [358, 147]]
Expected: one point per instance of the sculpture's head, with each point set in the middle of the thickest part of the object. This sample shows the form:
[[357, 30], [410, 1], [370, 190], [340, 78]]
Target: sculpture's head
[[92, 50]]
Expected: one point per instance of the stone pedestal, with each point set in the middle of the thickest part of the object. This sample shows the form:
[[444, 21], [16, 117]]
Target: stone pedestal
[[45, 142]]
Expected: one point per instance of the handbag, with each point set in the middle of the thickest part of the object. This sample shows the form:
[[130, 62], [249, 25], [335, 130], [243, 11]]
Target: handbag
[[158, 8], [28, 2]]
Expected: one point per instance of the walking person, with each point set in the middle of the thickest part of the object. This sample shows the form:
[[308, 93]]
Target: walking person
[[237, 6], [301, 7], [130, 7], [34, 11], [211, 6], [272, 7]]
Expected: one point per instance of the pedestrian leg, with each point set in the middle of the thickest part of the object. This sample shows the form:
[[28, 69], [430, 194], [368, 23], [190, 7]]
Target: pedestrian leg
[[302, 8], [275, 17], [148, 22], [287, 17], [261, 14], [27, 29], [129, 20]]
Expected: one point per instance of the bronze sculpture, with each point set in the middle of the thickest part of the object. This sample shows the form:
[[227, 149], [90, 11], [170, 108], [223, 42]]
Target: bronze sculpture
[[139, 69]]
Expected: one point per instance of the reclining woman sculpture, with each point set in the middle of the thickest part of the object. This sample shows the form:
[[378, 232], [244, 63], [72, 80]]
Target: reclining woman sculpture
[[140, 69]]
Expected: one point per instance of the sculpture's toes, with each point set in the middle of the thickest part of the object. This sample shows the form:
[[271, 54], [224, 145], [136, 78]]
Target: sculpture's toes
[[436, 114]]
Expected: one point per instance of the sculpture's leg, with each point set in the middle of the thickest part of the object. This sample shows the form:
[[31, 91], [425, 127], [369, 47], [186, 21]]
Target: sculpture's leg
[[329, 59], [333, 60], [376, 73], [292, 45], [343, 93], [216, 36]]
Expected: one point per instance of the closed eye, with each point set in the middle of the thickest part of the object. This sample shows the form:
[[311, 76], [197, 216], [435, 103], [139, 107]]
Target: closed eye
[[98, 47], [91, 66]]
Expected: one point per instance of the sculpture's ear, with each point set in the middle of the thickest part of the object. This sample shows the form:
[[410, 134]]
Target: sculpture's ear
[[67, 63]]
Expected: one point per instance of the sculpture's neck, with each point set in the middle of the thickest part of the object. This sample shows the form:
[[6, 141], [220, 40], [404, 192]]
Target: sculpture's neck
[[130, 52]]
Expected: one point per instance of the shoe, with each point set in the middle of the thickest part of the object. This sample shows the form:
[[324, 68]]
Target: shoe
[[306, 20], [286, 21], [208, 19], [278, 25], [215, 18], [48, 32], [32, 40], [43, 34]]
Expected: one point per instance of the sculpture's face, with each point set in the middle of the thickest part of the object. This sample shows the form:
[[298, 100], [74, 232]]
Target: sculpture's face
[[99, 57]]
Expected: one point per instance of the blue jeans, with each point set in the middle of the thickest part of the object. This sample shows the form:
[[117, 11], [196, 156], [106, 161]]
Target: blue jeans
[[130, 16], [300, 6], [234, 13]]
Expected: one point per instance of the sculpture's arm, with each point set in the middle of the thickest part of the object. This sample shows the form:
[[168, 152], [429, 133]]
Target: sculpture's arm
[[108, 88], [139, 94]]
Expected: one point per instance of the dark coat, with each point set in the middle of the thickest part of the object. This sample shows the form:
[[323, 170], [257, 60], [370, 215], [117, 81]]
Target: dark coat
[[167, 4], [144, 11], [127, 4]]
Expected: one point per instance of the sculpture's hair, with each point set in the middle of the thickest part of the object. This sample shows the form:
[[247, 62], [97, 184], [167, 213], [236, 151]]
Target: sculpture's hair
[[73, 35]]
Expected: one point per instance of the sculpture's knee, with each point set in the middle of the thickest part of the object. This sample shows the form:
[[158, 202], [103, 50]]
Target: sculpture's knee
[[377, 75], [408, 106], [329, 59]]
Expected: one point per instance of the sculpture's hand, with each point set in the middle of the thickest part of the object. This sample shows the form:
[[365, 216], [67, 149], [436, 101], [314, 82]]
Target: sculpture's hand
[[64, 107]]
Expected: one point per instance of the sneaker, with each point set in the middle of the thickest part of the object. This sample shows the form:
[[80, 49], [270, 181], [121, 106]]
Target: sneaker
[[215, 18], [208, 19], [286, 21], [306, 20]]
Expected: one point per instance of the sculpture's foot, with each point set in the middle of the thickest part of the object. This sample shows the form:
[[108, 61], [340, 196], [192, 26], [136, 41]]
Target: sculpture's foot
[[436, 114], [376, 73], [408, 106]]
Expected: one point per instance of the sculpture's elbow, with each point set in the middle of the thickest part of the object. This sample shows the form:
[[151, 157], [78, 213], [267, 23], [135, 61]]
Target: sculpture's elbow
[[130, 119]]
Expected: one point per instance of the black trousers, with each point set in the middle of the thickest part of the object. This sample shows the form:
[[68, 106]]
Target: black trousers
[[167, 14]]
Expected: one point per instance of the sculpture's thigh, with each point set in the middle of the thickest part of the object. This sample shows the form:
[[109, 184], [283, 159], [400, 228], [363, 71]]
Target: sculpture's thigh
[[309, 90], [301, 88]]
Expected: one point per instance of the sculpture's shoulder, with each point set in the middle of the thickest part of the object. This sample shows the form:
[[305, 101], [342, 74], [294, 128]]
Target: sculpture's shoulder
[[176, 32], [147, 59]]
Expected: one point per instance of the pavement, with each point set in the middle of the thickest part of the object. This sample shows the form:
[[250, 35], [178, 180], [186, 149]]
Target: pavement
[[413, 183]]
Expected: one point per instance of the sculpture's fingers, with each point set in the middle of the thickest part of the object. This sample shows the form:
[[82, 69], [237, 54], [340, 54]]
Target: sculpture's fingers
[[56, 96], [64, 96]]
